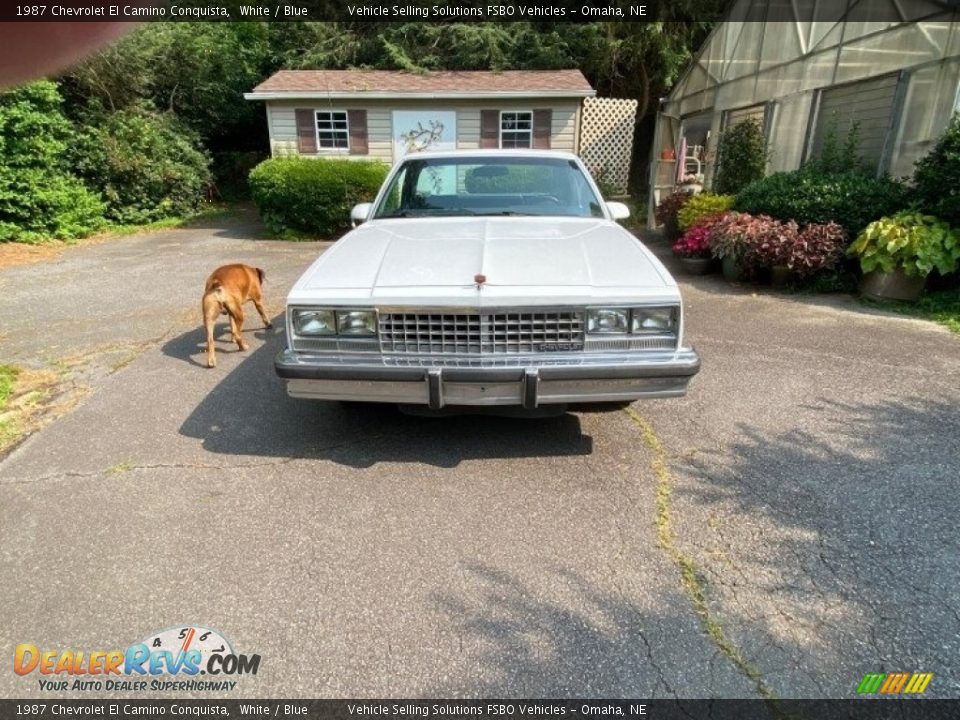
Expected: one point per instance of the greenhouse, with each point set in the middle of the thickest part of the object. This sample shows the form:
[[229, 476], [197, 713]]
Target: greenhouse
[[806, 71]]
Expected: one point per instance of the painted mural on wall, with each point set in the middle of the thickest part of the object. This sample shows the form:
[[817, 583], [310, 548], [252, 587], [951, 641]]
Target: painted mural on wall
[[420, 130]]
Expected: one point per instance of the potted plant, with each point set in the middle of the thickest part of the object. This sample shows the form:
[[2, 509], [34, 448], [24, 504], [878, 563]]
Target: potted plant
[[898, 252], [666, 214], [733, 241], [668, 154], [691, 183], [775, 243], [693, 248]]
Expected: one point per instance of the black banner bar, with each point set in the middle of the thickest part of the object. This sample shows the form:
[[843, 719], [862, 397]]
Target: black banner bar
[[858, 709], [431, 11]]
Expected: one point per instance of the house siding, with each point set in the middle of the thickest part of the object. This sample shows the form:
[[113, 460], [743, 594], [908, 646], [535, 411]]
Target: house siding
[[282, 125]]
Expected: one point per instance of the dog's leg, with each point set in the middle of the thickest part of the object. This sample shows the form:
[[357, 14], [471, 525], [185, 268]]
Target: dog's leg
[[235, 311], [211, 311], [258, 304]]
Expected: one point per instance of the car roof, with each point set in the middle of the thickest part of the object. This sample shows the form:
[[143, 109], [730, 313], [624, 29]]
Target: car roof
[[498, 153]]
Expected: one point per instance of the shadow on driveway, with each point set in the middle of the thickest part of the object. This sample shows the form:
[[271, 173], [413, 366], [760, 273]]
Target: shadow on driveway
[[250, 413]]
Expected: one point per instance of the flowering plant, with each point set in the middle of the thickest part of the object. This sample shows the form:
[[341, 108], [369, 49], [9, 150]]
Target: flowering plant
[[695, 242]]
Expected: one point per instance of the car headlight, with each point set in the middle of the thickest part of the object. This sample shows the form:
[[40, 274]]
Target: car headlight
[[357, 322], [314, 322], [608, 320], [654, 321]]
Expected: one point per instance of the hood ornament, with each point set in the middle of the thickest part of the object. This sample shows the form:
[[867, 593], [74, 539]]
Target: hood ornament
[[479, 279]]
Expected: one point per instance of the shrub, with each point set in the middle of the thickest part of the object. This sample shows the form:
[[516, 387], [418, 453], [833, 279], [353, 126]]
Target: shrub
[[702, 206], [144, 164], [741, 157], [833, 157], [39, 198], [936, 177], [666, 213], [908, 241], [806, 196], [312, 195]]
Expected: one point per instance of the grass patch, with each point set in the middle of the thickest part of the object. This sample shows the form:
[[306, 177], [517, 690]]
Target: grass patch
[[940, 306], [690, 578], [8, 374]]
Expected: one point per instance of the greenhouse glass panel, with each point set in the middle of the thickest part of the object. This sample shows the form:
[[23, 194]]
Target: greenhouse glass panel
[[780, 44], [929, 103], [901, 47]]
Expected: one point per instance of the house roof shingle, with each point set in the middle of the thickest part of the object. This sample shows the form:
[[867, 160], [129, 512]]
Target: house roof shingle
[[396, 82]]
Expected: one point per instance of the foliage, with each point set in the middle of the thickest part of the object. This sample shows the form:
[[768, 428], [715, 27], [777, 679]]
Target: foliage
[[231, 170], [669, 208], [819, 247], [312, 195], [8, 375], [741, 157], [695, 242], [850, 199], [39, 198], [910, 241], [145, 165], [738, 234], [701, 206], [774, 242], [936, 177], [806, 252], [836, 158]]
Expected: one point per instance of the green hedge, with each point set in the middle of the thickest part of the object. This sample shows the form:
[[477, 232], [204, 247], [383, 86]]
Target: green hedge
[[145, 165], [851, 199], [39, 198], [312, 195]]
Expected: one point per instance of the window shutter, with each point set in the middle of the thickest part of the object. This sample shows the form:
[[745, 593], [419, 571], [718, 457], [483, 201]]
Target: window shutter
[[306, 132], [357, 122], [489, 128], [542, 128]]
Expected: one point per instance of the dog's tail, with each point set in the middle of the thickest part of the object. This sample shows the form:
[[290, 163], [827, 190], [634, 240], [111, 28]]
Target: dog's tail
[[261, 274]]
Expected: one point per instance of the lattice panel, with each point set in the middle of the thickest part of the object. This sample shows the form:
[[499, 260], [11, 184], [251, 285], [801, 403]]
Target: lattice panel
[[606, 140]]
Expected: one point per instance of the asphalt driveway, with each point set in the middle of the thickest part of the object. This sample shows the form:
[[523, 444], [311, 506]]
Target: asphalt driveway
[[786, 528]]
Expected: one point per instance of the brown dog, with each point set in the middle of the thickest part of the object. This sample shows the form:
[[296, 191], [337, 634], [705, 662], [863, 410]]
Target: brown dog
[[227, 289]]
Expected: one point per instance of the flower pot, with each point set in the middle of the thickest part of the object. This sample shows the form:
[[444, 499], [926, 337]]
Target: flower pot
[[696, 265], [892, 286], [732, 272], [668, 155], [692, 188], [671, 231], [781, 276]]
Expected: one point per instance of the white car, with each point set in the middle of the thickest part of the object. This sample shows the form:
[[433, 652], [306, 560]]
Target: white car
[[491, 278]]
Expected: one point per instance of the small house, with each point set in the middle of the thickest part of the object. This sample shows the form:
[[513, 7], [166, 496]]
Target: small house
[[383, 115]]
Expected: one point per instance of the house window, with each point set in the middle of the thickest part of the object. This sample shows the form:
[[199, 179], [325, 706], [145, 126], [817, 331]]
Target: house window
[[516, 129], [332, 131]]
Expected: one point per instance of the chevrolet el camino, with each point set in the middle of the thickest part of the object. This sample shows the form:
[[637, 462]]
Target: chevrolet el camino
[[487, 278]]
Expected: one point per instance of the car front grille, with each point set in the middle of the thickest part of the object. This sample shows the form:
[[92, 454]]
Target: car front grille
[[506, 333]]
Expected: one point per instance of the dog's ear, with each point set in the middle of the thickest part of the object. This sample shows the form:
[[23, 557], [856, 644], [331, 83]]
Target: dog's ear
[[260, 274]]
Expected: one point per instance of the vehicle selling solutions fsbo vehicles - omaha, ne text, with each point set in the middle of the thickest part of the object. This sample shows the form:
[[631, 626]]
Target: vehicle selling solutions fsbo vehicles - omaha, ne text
[[496, 278]]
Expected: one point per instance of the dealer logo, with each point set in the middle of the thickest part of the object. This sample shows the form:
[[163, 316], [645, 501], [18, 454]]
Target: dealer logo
[[184, 652]]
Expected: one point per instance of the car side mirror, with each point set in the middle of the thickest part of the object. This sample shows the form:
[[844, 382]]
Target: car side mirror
[[618, 211], [359, 213]]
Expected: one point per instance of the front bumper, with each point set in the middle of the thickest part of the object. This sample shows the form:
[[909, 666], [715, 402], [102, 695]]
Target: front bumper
[[519, 381]]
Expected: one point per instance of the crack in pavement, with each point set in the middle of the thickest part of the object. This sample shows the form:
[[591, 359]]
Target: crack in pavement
[[690, 576]]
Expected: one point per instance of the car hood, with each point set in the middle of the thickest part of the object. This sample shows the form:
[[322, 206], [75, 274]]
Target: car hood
[[520, 257]]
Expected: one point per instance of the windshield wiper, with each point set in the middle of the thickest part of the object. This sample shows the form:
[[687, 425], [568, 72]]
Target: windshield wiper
[[508, 212], [431, 212]]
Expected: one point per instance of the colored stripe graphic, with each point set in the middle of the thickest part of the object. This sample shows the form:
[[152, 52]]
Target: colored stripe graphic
[[870, 683], [894, 683]]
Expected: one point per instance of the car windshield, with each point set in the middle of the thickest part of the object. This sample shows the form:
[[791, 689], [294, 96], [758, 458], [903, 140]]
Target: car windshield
[[461, 186]]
